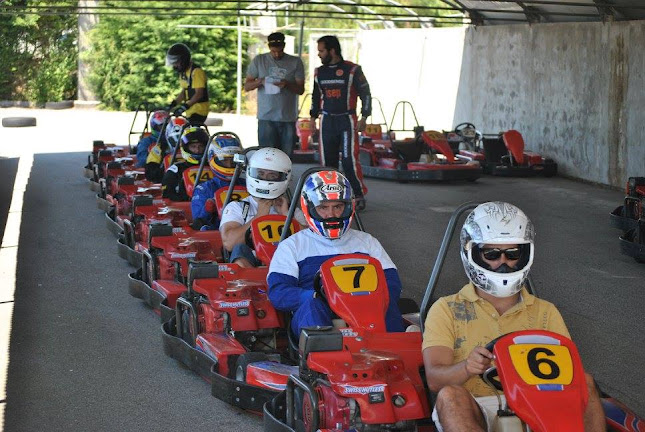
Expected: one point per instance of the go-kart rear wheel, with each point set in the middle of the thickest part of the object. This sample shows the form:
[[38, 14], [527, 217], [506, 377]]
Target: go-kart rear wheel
[[186, 328], [244, 360]]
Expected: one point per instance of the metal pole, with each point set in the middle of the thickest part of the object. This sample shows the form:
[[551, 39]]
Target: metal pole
[[239, 68]]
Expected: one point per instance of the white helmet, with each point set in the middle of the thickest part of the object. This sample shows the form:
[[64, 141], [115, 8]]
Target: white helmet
[[268, 173], [497, 223]]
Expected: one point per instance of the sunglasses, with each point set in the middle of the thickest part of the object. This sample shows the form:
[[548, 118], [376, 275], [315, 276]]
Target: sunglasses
[[492, 254]]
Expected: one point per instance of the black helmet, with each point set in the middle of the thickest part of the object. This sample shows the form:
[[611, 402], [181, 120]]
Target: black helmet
[[178, 56]]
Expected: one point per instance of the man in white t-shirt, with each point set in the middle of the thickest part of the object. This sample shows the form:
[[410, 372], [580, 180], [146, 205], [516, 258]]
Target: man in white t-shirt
[[267, 179]]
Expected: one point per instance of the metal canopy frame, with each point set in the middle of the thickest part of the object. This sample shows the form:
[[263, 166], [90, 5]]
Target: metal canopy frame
[[487, 12], [367, 13]]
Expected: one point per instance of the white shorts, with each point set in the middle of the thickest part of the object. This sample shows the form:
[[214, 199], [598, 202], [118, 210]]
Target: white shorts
[[488, 406]]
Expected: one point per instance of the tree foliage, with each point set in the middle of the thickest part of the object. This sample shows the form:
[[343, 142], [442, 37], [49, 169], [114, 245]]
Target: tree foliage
[[128, 54], [38, 54]]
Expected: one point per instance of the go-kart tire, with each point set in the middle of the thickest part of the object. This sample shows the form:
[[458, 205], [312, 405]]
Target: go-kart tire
[[186, 333], [243, 361], [550, 168], [59, 105], [18, 121], [408, 305]]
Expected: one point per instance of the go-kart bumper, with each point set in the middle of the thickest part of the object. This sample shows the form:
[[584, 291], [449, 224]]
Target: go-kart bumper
[[88, 171], [94, 186], [238, 393], [629, 245], [439, 172], [155, 299], [112, 225], [275, 414], [504, 170], [127, 253], [617, 220], [103, 204], [175, 347]]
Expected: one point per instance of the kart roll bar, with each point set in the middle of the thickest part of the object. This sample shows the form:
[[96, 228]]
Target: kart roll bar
[[296, 193], [441, 257], [403, 104]]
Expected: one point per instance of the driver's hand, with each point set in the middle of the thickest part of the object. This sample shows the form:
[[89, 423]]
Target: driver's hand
[[264, 206], [281, 206], [478, 361], [361, 124]]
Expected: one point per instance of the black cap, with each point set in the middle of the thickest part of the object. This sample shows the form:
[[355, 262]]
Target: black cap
[[276, 39]]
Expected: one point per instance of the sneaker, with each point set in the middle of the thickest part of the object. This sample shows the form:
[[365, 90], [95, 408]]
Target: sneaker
[[361, 203]]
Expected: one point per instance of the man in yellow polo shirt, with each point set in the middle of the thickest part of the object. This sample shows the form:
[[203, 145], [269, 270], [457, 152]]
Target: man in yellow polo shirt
[[497, 249], [192, 100]]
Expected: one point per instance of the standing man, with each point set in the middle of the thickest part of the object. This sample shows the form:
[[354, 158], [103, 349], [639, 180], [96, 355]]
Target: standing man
[[337, 83], [279, 79], [192, 100]]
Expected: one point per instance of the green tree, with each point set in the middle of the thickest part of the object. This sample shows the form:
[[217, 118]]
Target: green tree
[[128, 54], [37, 53]]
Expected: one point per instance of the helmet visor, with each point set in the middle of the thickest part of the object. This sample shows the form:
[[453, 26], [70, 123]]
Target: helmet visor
[[267, 174], [172, 59]]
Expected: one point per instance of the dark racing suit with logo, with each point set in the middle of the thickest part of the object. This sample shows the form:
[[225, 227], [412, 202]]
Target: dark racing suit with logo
[[336, 88]]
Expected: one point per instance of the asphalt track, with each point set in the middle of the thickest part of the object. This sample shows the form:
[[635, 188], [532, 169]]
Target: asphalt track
[[84, 355]]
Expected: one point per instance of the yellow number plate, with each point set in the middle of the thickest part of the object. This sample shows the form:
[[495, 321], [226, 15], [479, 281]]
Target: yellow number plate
[[542, 363], [271, 231], [206, 175], [372, 129], [237, 195], [355, 278]]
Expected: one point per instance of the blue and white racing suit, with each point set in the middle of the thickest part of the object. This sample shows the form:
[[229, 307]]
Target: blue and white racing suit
[[203, 192], [298, 259]]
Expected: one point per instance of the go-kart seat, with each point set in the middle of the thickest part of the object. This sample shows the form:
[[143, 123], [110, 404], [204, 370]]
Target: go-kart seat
[[494, 149], [409, 150]]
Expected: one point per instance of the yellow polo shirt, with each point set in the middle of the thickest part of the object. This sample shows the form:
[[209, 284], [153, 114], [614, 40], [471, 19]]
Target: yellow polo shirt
[[464, 321]]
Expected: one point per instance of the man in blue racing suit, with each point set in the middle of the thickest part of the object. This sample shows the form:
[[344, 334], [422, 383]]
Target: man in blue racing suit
[[157, 119], [220, 158], [337, 84], [328, 205]]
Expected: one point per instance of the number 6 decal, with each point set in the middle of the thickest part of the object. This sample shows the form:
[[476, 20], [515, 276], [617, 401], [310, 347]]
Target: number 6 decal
[[542, 364]]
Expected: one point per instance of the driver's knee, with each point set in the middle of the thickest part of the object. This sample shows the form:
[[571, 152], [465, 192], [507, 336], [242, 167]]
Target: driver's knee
[[452, 395], [242, 262], [592, 386]]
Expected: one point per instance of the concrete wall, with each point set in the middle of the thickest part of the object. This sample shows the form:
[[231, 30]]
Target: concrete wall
[[575, 91]]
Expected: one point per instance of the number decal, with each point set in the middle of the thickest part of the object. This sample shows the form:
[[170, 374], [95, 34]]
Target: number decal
[[237, 195], [535, 364], [435, 136], [542, 364], [355, 278], [271, 231]]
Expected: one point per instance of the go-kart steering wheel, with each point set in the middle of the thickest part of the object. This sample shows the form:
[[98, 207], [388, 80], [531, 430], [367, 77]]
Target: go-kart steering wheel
[[248, 240], [461, 126], [491, 376], [318, 289]]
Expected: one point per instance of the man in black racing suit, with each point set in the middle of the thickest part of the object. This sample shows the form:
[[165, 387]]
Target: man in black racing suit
[[337, 84]]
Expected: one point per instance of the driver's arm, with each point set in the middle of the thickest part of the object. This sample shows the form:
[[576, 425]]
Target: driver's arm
[[440, 370], [233, 233], [285, 293], [439, 337]]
